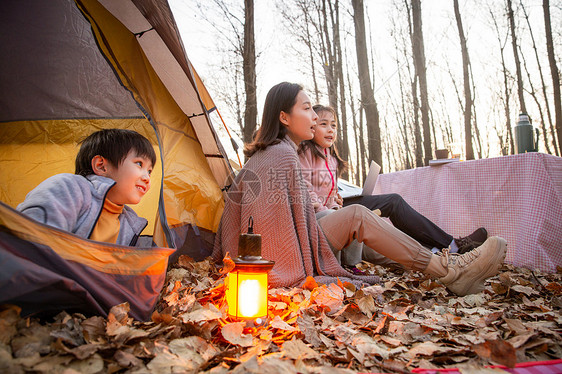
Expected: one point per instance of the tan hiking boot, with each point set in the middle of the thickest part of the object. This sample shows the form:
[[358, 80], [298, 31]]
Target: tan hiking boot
[[467, 272]]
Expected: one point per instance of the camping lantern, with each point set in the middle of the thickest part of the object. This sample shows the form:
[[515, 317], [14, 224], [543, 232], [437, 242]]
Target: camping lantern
[[246, 284]]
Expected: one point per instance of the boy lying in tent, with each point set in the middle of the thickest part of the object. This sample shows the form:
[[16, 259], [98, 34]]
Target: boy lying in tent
[[113, 169], [47, 267]]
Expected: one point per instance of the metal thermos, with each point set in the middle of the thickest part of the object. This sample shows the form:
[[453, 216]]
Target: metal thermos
[[524, 139]]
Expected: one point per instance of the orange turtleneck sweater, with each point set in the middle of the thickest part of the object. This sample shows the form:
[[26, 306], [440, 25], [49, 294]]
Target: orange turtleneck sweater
[[108, 226]]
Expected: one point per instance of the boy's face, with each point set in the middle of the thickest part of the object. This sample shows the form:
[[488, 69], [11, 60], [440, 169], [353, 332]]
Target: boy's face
[[132, 179]]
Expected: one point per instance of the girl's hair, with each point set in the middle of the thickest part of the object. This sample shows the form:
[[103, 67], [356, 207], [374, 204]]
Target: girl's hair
[[280, 98], [114, 145], [310, 144]]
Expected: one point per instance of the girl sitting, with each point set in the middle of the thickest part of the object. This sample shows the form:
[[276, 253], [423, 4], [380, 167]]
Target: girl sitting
[[270, 188], [321, 164]]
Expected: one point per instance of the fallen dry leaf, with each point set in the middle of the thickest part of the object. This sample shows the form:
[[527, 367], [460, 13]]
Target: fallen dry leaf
[[228, 264], [8, 318], [309, 284], [119, 313], [405, 322], [278, 323], [205, 313], [232, 332], [498, 351], [329, 297], [297, 350]]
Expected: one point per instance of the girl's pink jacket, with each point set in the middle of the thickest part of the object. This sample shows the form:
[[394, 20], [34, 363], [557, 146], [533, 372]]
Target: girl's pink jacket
[[321, 179]]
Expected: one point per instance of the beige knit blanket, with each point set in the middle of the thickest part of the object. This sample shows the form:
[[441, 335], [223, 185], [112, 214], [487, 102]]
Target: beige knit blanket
[[270, 188]]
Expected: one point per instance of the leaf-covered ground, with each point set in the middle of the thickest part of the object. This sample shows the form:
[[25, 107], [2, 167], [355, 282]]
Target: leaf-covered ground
[[406, 322]]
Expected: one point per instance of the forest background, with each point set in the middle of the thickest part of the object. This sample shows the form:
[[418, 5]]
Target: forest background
[[405, 76]]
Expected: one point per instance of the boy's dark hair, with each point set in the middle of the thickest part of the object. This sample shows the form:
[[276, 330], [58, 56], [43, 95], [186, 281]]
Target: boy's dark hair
[[114, 145]]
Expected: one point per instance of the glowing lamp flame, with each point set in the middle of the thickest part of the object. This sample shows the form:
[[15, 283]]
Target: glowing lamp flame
[[249, 298], [247, 294]]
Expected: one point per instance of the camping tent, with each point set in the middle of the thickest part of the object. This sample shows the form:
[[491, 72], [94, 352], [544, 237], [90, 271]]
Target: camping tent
[[69, 68]]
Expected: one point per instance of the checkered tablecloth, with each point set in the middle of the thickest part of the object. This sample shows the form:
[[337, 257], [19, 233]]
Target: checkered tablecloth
[[516, 197], [530, 367]]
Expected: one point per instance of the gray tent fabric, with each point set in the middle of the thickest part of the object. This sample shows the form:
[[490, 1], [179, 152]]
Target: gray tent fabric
[[45, 270], [92, 88]]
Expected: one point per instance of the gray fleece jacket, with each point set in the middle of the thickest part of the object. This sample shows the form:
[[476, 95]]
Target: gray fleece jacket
[[74, 203]]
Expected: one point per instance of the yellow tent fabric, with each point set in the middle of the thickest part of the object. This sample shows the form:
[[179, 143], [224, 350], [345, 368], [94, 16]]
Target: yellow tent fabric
[[110, 64], [45, 148], [205, 96]]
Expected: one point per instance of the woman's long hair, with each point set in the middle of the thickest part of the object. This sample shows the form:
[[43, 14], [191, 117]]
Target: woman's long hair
[[280, 98], [310, 144]]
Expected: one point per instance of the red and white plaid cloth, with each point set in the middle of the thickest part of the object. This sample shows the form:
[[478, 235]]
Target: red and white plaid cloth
[[516, 197], [531, 367]]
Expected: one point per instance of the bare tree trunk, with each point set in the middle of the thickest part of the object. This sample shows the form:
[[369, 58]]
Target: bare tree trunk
[[447, 128], [469, 151], [418, 152], [543, 86], [362, 146], [329, 60], [408, 164], [476, 134], [367, 96], [388, 151], [403, 111], [403, 128], [343, 145], [507, 108], [432, 125], [501, 140], [553, 70], [510, 16], [417, 128], [506, 86], [356, 173], [419, 63], [311, 56], [474, 121], [358, 131], [533, 94], [238, 103], [249, 55]]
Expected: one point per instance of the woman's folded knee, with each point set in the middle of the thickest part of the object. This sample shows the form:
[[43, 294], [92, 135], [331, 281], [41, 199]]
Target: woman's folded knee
[[356, 212], [362, 213]]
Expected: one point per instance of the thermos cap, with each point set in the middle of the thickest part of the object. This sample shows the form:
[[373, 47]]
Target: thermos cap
[[524, 117]]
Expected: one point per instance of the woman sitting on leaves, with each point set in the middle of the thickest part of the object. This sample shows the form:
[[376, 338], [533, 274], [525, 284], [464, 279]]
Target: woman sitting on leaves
[[271, 189]]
